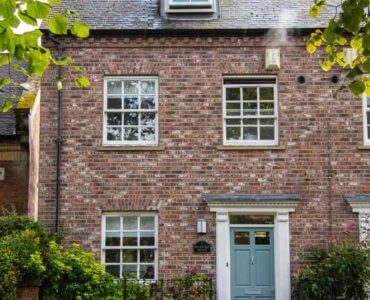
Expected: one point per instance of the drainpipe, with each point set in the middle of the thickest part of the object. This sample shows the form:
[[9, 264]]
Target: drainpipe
[[58, 141]]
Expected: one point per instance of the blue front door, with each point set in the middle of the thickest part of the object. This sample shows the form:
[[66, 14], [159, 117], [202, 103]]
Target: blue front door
[[252, 264]]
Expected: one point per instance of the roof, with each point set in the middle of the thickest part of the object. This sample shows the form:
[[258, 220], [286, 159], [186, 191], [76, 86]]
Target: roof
[[234, 14], [7, 120]]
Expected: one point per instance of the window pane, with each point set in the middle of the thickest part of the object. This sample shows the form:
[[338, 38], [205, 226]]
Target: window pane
[[114, 103], [147, 255], [250, 93], [233, 133], [131, 102], [147, 102], [247, 112], [114, 87], [250, 133], [232, 121], [368, 102], [129, 238], [267, 121], [148, 134], [112, 239], [130, 223], [267, 133], [114, 134], [267, 93], [250, 121], [112, 256], [148, 87], [267, 105], [129, 271], [131, 119], [147, 271], [262, 238], [131, 87], [250, 219], [241, 238], [146, 238], [113, 269], [147, 223], [148, 119], [129, 256], [368, 118], [232, 94], [266, 112], [233, 109], [368, 132], [131, 134], [114, 118], [249, 108], [112, 223]]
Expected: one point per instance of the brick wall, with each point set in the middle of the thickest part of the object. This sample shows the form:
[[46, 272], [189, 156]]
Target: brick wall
[[14, 187], [316, 129]]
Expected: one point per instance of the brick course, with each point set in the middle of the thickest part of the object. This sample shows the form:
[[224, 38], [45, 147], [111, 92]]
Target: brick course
[[321, 134]]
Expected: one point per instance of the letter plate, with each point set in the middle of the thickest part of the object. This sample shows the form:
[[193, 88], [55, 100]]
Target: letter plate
[[252, 291]]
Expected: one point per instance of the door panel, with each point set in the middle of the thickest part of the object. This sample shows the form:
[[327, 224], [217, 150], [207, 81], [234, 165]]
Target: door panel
[[242, 270], [263, 263], [252, 263]]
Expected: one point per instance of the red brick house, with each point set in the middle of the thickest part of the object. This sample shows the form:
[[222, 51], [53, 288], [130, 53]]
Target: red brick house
[[205, 121]]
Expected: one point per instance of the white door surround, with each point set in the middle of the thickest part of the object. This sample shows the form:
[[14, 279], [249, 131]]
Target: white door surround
[[278, 205]]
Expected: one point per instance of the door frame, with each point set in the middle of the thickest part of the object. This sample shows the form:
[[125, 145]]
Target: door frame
[[281, 246]]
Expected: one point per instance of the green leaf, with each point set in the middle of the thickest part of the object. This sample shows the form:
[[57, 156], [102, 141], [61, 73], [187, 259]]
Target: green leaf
[[354, 72], [366, 66], [38, 10], [326, 65], [53, 2], [62, 61], [78, 69], [5, 81], [58, 24], [356, 43], [311, 48], [27, 18], [82, 82], [80, 29], [4, 59], [366, 41], [357, 87], [7, 105]]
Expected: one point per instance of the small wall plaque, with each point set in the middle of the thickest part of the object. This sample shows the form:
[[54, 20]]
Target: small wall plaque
[[201, 247], [2, 174]]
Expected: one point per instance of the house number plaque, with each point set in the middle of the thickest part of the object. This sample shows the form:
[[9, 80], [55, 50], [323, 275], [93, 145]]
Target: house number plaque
[[201, 247]]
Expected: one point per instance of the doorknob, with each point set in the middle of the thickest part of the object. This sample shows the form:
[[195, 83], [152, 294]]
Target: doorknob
[[252, 260]]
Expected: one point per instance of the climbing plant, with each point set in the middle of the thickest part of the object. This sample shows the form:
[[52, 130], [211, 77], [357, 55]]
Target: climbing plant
[[21, 49]]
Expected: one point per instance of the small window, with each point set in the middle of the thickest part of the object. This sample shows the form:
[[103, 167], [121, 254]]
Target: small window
[[250, 111], [366, 107], [131, 111], [190, 6], [130, 246]]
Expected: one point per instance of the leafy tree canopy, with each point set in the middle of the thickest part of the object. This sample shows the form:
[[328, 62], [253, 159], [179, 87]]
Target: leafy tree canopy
[[23, 52], [349, 28]]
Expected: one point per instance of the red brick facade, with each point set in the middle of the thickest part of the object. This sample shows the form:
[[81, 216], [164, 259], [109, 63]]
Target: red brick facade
[[320, 133]]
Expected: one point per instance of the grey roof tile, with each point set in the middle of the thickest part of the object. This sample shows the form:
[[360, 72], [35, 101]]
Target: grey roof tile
[[235, 14]]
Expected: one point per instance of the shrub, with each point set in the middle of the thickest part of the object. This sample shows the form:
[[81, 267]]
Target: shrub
[[340, 272], [75, 274], [20, 260]]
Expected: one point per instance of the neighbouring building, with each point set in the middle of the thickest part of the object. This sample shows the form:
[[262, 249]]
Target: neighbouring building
[[19, 129], [206, 121]]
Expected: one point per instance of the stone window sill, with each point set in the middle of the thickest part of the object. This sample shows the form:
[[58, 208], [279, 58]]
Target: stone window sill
[[363, 147], [251, 148], [130, 148]]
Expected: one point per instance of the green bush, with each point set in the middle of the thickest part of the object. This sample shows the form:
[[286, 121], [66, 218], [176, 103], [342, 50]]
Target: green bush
[[75, 274], [20, 260], [340, 272]]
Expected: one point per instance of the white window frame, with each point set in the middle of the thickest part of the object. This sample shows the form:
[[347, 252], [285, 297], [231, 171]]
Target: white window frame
[[105, 111], [190, 7], [209, 3], [131, 214], [274, 142], [366, 122]]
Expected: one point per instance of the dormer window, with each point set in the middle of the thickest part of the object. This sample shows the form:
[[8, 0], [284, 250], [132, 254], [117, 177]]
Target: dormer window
[[190, 6]]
